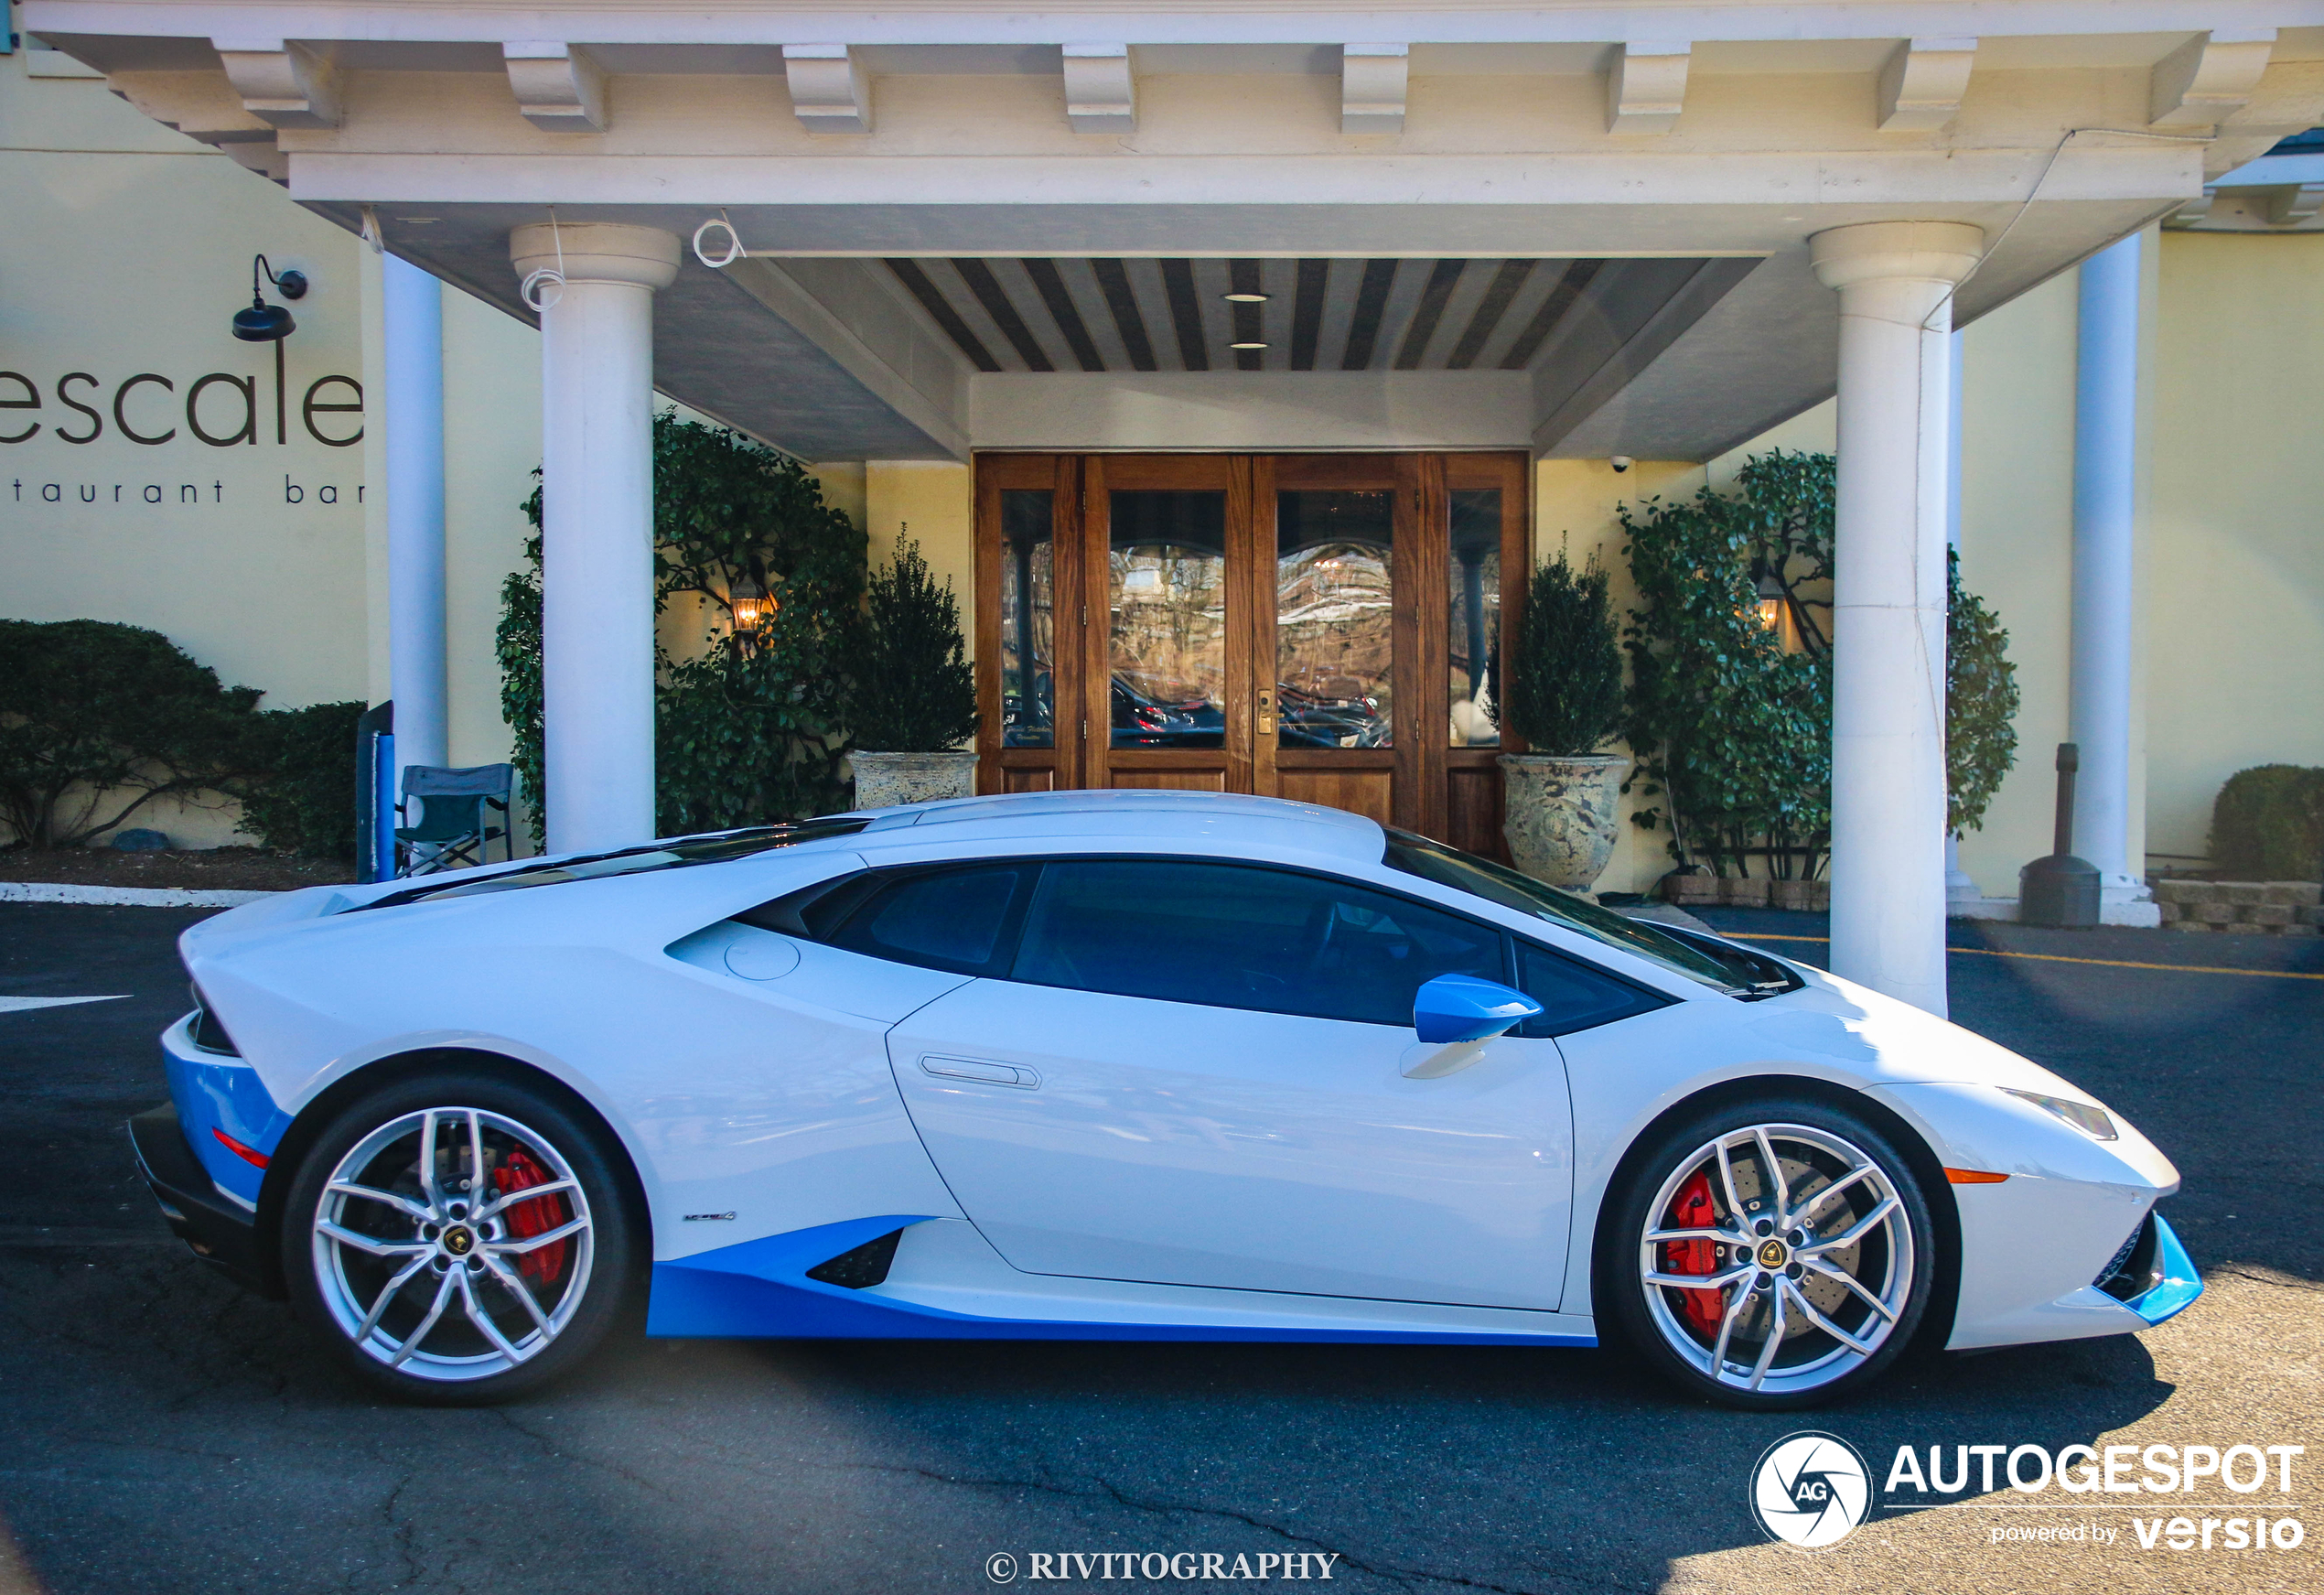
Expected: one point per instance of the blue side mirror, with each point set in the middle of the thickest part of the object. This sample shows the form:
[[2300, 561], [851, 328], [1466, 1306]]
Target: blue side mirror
[[1463, 1008]]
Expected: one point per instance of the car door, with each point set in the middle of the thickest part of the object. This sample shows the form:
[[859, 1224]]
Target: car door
[[1192, 1074]]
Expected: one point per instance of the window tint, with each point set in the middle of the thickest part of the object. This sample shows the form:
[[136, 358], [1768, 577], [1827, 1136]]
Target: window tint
[[1234, 936], [1573, 995], [952, 918], [1497, 884]]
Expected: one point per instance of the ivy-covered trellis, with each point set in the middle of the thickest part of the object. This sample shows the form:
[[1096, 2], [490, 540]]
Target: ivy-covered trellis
[[751, 728], [1731, 726]]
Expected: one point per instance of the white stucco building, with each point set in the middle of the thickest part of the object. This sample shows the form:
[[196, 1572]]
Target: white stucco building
[[1063, 285]]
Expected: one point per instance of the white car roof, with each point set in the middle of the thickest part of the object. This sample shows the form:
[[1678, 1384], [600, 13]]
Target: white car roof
[[1217, 819]]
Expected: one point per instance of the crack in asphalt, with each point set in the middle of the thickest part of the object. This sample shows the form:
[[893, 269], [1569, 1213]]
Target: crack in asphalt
[[550, 1447], [2267, 1276], [403, 1534]]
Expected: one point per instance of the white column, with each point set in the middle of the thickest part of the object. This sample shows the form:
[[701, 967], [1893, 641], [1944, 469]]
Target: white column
[[413, 315], [1895, 280], [2105, 551], [1958, 886], [596, 461]]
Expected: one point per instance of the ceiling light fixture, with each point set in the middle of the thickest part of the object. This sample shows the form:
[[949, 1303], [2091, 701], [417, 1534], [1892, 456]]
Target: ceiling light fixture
[[1244, 298], [1246, 346]]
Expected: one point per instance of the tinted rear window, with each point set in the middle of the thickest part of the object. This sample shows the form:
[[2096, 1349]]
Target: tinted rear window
[[957, 919]]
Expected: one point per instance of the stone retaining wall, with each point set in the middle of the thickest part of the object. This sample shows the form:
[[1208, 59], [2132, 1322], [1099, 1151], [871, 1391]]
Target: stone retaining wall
[[1756, 892], [2242, 908]]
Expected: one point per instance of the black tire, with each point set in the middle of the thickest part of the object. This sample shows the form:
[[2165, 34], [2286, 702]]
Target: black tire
[[1677, 1333], [577, 1286]]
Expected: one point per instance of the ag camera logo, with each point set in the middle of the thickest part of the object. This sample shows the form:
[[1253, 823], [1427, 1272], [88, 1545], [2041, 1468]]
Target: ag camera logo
[[1810, 1490]]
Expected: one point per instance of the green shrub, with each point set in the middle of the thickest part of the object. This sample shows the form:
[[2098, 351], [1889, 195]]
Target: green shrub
[[1980, 704], [913, 690], [1732, 733], [2268, 825], [1565, 696], [299, 796], [751, 730], [516, 643], [97, 720]]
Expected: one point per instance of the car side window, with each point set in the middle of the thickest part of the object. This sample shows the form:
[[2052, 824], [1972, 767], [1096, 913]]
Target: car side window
[[1574, 996], [958, 919], [1239, 936]]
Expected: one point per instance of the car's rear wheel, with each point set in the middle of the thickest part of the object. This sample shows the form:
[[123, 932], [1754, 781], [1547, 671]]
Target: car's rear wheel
[[457, 1240], [1769, 1255]]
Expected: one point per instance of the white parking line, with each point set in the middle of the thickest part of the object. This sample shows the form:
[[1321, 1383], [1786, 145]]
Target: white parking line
[[9, 1005]]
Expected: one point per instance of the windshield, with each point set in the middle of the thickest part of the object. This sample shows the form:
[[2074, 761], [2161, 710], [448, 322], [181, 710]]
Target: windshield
[[716, 849], [1496, 884]]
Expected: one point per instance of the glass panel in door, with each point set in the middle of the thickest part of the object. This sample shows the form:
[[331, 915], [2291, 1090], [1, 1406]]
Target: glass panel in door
[[1029, 619], [1166, 591], [1334, 576], [1473, 635]]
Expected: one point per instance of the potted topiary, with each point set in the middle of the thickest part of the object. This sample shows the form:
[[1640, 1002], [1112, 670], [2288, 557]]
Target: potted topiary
[[1565, 698], [913, 700]]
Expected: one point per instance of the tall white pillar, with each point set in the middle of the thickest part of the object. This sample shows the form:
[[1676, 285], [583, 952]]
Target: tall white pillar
[[2105, 553], [597, 563], [1895, 279], [1958, 886], [412, 316]]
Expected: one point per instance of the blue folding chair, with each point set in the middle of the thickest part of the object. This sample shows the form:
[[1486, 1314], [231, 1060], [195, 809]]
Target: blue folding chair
[[455, 826]]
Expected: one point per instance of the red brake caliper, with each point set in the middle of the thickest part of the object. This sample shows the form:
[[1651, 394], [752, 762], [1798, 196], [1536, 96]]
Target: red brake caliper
[[1692, 1210], [542, 1214]]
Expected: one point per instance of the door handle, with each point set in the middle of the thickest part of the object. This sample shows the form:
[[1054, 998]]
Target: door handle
[[980, 1069]]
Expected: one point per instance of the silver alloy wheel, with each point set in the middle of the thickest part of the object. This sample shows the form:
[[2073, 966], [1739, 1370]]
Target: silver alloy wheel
[[436, 1279], [1803, 1272]]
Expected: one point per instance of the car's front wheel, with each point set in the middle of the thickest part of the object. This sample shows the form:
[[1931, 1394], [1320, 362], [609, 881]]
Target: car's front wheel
[[1769, 1254], [458, 1239]]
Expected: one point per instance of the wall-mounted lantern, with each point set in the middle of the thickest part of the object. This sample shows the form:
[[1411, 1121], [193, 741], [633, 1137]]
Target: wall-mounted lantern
[[753, 608], [1770, 603], [264, 323]]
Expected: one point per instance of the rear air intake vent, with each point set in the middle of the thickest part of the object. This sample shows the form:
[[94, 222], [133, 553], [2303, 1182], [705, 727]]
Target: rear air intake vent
[[862, 1268]]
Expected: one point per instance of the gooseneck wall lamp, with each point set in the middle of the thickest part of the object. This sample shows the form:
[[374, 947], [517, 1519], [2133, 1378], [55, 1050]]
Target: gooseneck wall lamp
[[264, 323]]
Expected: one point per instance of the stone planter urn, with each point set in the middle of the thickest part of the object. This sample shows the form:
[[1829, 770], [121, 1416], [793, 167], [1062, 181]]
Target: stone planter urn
[[887, 780], [1559, 814]]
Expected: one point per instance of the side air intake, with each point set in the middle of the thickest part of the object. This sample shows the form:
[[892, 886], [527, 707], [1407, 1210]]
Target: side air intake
[[862, 1268]]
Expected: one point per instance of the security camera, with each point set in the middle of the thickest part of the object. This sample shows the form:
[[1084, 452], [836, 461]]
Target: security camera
[[1621, 462]]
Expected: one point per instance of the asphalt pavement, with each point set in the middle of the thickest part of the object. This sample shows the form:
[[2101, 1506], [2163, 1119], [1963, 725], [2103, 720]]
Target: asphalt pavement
[[161, 1431]]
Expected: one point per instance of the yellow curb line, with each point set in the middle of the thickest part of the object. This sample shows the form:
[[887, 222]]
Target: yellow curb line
[[2053, 957]]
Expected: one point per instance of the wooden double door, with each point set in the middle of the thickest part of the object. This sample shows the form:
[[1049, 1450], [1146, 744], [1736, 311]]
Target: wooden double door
[[1323, 628]]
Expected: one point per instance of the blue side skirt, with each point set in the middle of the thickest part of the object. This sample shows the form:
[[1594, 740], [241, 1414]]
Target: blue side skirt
[[760, 1290]]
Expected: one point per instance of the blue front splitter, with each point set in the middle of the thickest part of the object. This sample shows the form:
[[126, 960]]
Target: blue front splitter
[[2176, 1291]]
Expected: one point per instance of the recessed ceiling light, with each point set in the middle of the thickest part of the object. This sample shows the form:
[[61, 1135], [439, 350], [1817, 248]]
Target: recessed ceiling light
[[1246, 346], [1244, 298]]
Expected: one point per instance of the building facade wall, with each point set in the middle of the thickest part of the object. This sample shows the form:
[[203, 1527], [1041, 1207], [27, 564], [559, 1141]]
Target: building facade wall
[[125, 250], [128, 247], [2234, 528]]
